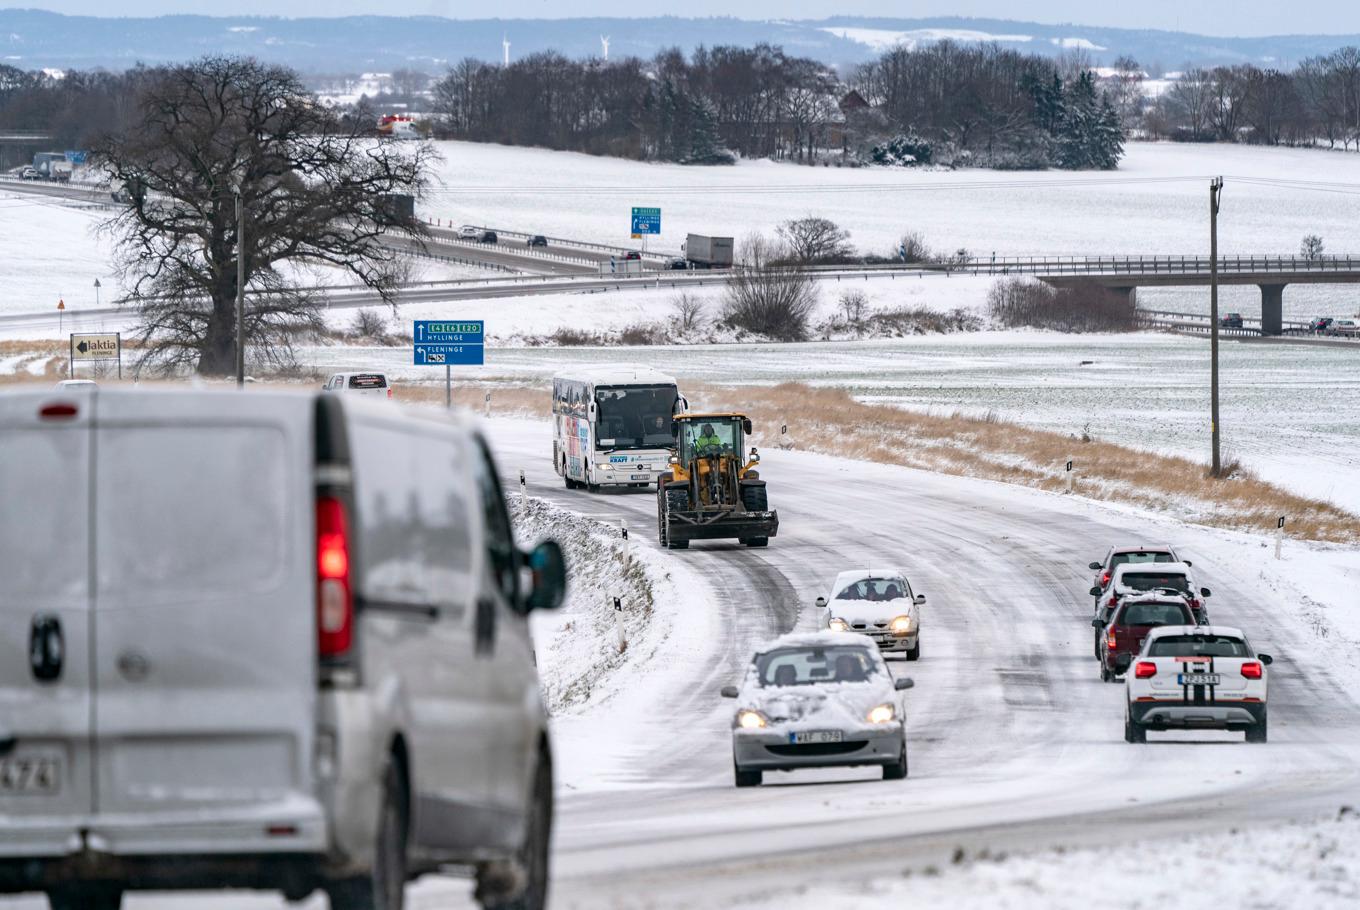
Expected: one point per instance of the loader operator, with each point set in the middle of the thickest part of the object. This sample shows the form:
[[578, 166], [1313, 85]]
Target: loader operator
[[708, 440]]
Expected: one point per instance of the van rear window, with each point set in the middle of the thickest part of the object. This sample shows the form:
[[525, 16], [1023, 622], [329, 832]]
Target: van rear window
[[368, 381]]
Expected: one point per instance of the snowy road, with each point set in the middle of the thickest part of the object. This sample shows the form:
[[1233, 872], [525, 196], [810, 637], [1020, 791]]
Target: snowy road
[[1014, 741]]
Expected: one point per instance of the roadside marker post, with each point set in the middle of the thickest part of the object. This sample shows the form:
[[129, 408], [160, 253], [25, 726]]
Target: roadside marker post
[[523, 488], [1279, 536], [618, 623], [1071, 477], [627, 544], [487, 404]]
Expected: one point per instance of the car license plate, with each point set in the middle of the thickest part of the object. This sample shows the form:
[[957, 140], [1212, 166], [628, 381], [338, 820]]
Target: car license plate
[[1200, 679], [38, 775], [640, 476], [815, 736]]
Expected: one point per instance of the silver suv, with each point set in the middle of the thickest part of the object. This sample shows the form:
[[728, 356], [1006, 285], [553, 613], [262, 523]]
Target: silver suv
[[266, 640]]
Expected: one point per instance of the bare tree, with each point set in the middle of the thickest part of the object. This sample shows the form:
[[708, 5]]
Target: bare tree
[[767, 295], [1311, 247], [688, 312], [814, 239], [316, 190]]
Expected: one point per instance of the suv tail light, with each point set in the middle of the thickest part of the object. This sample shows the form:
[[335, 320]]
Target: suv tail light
[[334, 597], [1144, 669], [389, 391], [1251, 670], [1111, 640]]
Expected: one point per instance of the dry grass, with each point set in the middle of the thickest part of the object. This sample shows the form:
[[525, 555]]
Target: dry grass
[[831, 421]]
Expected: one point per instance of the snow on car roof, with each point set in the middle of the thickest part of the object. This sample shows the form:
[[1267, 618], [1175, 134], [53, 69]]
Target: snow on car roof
[[823, 639], [1224, 631], [1159, 568], [1144, 548], [846, 577]]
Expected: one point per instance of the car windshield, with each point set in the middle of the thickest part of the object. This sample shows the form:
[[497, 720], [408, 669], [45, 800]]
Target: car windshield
[[1149, 581], [874, 589], [1198, 646], [634, 417], [710, 437], [1120, 559], [1157, 614], [812, 665]]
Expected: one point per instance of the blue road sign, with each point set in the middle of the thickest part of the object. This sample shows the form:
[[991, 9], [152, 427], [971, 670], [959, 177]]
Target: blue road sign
[[646, 221], [440, 342]]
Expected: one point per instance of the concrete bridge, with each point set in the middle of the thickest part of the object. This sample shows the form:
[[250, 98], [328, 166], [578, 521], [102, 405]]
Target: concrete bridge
[[1272, 274]]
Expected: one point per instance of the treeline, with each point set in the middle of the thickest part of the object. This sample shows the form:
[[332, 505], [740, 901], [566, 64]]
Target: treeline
[[944, 104]]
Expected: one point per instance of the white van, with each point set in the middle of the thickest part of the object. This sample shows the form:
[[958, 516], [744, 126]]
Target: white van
[[267, 640]]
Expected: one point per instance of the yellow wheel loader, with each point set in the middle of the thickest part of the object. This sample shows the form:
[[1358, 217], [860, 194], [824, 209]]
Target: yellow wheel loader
[[712, 489]]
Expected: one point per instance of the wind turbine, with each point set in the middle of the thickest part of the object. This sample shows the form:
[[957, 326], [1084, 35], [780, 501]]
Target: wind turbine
[[604, 42], [505, 48]]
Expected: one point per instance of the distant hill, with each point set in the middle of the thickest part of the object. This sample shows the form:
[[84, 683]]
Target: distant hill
[[34, 39]]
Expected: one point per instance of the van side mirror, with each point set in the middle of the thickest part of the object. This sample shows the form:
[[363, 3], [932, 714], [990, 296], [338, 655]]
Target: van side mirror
[[1096, 566], [903, 682], [919, 599], [1204, 592], [549, 568], [1187, 562], [729, 692], [821, 602], [1095, 591], [1265, 659]]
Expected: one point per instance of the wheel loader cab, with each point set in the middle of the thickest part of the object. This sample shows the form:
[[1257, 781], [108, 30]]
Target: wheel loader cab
[[712, 489], [705, 444]]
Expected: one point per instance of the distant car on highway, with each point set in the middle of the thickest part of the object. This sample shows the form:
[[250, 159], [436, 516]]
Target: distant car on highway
[[537, 240], [325, 684], [29, 172], [1175, 577], [1130, 623], [1196, 677], [1231, 321], [1129, 553], [1346, 328], [1320, 324], [488, 237], [469, 232], [816, 700], [878, 603], [370, 384], [679, 264], [632, 256]]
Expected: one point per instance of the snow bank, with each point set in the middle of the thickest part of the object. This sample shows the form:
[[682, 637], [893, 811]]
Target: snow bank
[[1314, 865], [604, 701]]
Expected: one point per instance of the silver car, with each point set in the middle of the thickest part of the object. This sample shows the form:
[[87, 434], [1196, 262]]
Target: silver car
[[282, 644], [878, 603], [817, 700]]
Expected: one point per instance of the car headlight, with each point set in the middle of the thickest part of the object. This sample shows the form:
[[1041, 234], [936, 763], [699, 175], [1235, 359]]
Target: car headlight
[[901, 625], [750, 720], [836, 624], [882, 714]]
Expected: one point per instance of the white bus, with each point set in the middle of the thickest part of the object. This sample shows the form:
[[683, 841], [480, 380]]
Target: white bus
[[612, 426]]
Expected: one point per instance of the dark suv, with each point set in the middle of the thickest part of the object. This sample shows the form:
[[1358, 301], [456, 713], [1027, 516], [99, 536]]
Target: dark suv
[[1231, 321], [537, 240], [488, 237], [1130, 623]]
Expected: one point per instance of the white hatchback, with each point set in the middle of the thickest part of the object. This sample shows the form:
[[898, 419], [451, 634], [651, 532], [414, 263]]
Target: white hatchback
[[878, 603]]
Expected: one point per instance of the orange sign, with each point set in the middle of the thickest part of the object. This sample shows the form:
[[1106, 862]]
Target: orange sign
[[61, 304]]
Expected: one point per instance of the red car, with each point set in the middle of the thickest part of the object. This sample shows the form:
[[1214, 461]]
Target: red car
[[1132, 620], [632, 256]]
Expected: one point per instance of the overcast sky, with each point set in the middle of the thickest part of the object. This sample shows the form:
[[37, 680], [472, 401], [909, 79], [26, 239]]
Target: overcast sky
[[1212, 17]]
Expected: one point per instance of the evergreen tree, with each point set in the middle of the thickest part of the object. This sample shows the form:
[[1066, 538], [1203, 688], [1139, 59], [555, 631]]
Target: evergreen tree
[[1109, 137], [1078, 131], [704, 145]]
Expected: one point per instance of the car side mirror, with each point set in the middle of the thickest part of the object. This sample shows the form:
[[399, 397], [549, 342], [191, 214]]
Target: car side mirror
[[1095, 565], [1097, 624], [919, 599], [1204, 591], [903, 682], [730, 692], [1187, 562], [549, 568], [1095, 590], [1265, 659], [821, 602]]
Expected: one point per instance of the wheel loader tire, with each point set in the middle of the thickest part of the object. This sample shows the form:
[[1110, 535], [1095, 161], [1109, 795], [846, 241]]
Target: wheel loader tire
[[755, 499], [677, 500]]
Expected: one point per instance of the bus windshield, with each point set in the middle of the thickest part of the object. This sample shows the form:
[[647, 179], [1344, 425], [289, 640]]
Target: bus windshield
[[634, 417]]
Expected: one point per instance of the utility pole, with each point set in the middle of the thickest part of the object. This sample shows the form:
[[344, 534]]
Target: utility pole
[[241, 289], [1215, 193]]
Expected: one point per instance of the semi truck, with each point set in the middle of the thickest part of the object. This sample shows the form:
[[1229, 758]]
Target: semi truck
[[709, 252]]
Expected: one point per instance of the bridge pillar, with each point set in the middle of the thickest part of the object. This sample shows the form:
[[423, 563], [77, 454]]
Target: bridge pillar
[[1130, 294], [1272, 309]]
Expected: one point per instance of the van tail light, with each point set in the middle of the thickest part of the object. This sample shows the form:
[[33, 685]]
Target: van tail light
[[60, 411], [334, 596], [1111, 641], [1251, 670], [389, 391], [1144, 669]]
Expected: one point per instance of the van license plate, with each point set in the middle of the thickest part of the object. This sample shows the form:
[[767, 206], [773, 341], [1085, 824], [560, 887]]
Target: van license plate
[[815, 736], [31, 775], [1200, 679]]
